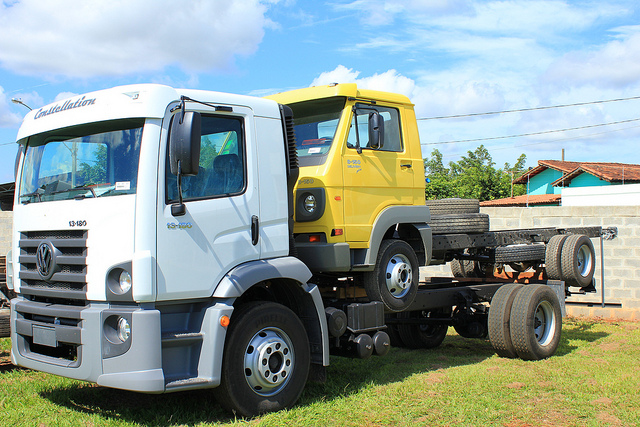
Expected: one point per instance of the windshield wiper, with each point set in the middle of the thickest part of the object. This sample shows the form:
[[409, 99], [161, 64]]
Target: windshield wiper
[[35, 193], [79, 187]]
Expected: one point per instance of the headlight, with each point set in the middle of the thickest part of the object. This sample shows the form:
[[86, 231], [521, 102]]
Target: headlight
[[124, 281], [310, 203], [123, 329]]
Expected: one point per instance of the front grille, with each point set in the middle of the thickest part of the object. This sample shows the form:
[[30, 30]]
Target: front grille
[[69, 279]]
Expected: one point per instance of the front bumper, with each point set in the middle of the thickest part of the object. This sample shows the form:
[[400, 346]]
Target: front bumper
[[73, 342]]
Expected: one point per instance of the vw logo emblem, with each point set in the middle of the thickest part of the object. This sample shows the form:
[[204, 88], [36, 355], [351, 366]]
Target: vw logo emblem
[[45, 260]]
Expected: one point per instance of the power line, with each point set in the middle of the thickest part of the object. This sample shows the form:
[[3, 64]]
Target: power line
[[529, 134], [578, 104], [495, 148]]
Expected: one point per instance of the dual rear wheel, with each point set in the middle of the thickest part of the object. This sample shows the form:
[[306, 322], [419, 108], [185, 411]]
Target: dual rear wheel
[[525, 321]]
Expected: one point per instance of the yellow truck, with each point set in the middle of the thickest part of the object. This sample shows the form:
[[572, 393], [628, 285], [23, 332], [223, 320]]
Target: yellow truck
[[170, 239]]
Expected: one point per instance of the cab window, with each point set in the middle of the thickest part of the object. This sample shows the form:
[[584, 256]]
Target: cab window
[[221, 170], [392, 136]]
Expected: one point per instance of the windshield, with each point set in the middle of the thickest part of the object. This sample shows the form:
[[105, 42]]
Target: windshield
[[95, 160], [315, 124]]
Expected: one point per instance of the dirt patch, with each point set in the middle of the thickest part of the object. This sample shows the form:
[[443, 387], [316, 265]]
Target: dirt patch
[[605, 401], [545, 384], [609, 418], [609, 346], [516, 385]]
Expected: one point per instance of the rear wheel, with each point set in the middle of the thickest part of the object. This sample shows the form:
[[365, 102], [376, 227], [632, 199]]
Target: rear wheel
[[465, 268], [394, 280], [428, 335], [266, 360], [536, 322], [498, 322]]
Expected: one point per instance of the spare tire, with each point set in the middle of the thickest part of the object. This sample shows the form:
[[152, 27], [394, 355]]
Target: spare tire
[[5, 327], [459, 223], [517, 253], [453, 206], [552, 257], [578, 261]]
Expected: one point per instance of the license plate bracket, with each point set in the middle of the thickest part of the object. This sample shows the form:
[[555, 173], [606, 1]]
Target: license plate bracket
[[44, 336]]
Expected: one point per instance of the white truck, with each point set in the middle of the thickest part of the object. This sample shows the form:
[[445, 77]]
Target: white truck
[[167, 240]]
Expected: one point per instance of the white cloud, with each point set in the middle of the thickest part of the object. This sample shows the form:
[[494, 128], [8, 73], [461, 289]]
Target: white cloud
[[119, 37], [615, 64], [389, 81], [8, 119], [382, 13]]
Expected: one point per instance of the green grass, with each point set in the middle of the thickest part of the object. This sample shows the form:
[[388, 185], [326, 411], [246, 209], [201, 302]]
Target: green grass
[[593, 380]]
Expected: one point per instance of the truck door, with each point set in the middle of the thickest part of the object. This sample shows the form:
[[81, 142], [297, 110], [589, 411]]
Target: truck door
[[377, 177], [197, 249]]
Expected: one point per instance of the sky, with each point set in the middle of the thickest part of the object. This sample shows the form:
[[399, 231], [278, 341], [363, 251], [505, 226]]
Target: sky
[[450, 57]]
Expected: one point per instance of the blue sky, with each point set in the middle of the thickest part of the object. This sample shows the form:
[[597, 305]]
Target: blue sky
[[451, 57]]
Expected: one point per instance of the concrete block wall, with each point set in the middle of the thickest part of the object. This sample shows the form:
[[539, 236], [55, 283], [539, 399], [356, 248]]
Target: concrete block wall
[[5, 231], [621, 255]]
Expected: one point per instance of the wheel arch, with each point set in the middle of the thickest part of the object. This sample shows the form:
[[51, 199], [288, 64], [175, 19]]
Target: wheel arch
[[284, 281], [411, 224]]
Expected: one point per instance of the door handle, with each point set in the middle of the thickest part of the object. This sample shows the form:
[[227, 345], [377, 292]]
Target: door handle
[[405, 165], [255, 230]]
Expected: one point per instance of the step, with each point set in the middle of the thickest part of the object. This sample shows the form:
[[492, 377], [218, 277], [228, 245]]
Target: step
[[179, 339], [193, 382]]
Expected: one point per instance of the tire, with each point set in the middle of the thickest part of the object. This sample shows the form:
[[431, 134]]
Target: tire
[[578, 261], [519, 253], [498, 322], [461, 223], [453, 206], [263, 337], [417, 336], [464, 268], [5, 327], [552, 257], [472, 326], [392, 331], [394, 280], [536, 322]]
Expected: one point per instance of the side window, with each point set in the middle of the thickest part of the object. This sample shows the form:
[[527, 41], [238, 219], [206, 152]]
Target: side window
[[222, 162], [392, 136]]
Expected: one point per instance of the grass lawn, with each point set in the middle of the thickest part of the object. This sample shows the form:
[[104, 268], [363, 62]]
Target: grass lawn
[[593, 380]]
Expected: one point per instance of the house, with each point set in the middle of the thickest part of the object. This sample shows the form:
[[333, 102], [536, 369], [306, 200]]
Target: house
[[546, 182]]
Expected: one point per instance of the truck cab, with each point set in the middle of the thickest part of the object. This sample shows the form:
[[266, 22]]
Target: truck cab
[[361, 172], [127, 271]]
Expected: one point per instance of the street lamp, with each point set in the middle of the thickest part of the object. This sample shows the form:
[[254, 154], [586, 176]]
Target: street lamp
[[19, 101]]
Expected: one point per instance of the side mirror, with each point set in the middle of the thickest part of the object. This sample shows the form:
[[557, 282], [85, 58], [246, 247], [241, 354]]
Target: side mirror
[[376, 130], [184, 143], [184, 150]]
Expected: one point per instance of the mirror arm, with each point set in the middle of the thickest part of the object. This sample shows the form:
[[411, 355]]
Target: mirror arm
[[178, 209], [355, 116]]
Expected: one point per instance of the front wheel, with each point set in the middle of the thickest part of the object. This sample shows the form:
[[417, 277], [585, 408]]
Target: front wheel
[[394, 280], [266, 360]]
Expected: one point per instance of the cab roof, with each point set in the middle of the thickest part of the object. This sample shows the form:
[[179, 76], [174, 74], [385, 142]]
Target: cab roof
[[347, 90]]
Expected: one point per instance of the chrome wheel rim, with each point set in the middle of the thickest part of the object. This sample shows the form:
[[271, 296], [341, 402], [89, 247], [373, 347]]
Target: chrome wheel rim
[[544, 323], [585, 260], [399, 276], [268, 361]]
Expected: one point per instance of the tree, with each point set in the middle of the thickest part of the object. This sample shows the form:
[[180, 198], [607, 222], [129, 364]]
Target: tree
[[95, 173], [473, 176]]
